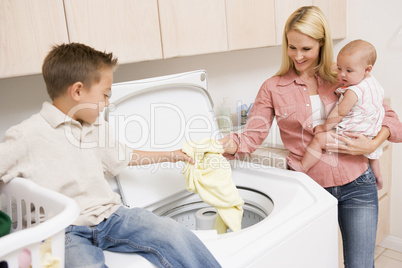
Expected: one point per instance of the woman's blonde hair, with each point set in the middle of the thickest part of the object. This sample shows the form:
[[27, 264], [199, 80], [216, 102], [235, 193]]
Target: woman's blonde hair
[[310, 20]]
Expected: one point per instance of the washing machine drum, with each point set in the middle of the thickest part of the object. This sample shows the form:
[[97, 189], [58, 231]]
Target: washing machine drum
[[195, 214]]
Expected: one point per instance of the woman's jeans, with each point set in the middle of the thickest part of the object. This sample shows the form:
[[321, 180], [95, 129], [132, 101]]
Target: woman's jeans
[[160, 240], [357, 217]]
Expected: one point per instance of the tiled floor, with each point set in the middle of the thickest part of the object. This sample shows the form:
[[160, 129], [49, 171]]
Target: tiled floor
[[387, 258]]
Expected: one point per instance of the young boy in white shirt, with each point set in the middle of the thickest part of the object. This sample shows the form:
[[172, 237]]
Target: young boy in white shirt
[[67, 147]]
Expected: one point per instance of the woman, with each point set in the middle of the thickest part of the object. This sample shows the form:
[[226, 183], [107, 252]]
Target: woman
[[305, 83]]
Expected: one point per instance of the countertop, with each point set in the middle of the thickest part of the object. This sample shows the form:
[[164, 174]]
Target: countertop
[[268, 156]]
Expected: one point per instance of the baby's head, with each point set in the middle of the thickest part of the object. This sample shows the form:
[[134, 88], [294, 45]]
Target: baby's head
[[355, 62], [76, 74]]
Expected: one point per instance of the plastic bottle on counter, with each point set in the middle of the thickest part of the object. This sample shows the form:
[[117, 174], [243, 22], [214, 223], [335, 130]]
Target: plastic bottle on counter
[[225, 122], [244, 117]]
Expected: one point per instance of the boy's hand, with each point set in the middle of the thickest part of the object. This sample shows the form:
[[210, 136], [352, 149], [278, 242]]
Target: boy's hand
[[178, 155]]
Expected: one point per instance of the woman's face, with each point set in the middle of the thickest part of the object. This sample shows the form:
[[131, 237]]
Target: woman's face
[[303, 50]]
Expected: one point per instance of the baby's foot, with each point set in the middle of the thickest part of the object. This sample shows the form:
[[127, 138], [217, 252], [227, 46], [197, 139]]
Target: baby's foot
[[379, 183]]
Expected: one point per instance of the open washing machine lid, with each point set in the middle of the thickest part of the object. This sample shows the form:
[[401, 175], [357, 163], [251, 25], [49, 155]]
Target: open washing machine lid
[[158, 114]]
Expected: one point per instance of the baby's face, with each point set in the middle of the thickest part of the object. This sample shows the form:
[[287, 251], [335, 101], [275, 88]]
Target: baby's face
[[96, 98], [351, 69]]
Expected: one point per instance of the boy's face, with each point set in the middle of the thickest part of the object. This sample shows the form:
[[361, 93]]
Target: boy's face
[[95, 99], [351, 69]]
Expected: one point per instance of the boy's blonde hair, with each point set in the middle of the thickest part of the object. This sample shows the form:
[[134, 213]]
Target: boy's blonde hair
[[366, 51], [310, 20], [67, 64]]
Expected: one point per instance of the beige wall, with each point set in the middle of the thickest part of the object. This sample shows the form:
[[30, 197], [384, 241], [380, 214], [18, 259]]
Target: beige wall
[[238, 76]]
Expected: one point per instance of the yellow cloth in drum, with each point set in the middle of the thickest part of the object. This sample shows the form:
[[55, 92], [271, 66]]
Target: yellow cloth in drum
[[211, 178]]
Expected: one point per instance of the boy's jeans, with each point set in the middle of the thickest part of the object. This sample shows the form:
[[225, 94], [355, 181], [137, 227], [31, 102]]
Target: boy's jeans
[[160, 240], [357, 217]]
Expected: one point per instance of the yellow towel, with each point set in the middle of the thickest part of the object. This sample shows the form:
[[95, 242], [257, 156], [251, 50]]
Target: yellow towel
[[211, 178]]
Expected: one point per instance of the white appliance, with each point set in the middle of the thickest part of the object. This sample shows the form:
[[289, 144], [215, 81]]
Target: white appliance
[[289, 220]]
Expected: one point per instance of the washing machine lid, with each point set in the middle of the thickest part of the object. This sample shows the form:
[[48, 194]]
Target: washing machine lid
[[158, 114]]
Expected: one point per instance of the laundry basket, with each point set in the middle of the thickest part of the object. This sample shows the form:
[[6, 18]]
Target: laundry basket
[[38, 214]]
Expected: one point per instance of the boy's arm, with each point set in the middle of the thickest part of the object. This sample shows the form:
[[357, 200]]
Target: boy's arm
[[149, 157], [339, 112], [14, 156]]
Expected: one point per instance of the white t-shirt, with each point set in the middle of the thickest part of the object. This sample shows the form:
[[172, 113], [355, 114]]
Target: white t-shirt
[[59, 153], [318, 108]]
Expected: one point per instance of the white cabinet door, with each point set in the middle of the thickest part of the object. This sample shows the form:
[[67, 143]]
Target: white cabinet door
[[191, 27], [250, 24], [28, 30], [128, 28]]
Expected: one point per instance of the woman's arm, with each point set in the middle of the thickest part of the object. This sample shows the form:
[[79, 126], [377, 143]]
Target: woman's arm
[[358, 144], [148, 157], [237, 145], [391, 121], [391, 130]]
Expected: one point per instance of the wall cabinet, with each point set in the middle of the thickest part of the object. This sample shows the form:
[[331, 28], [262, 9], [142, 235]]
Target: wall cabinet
[[129, 29], [28, 29], [142, 30], [334, 10], [250, 24], [191, 27]]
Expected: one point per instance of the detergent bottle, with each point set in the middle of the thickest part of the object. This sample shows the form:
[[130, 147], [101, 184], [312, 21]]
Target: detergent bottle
[[225, 122]]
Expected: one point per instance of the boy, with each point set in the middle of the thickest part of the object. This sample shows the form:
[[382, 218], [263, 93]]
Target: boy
[[68, 148], [359, 110]]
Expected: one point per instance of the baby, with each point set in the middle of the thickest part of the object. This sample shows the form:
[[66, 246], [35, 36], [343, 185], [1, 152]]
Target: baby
[[359, 109]]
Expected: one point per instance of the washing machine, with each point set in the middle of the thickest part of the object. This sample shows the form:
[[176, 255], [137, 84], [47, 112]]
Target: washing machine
[[289, 220]]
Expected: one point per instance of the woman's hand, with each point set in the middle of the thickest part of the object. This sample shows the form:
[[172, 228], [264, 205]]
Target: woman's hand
[[357, 144], [229, 145]]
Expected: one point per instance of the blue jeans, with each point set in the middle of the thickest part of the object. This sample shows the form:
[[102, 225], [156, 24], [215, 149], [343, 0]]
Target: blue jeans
[[160, 240], [357, 217]]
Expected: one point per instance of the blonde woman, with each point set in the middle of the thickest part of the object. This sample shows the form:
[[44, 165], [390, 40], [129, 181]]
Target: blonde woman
[[302, 92]]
